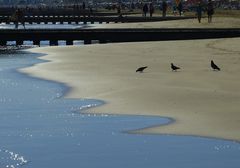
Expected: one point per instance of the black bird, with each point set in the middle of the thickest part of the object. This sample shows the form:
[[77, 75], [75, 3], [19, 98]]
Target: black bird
[[141, 69], [174, 68], [214, 66]]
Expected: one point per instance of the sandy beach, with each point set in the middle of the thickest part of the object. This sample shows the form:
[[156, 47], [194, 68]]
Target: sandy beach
[[202, 102], [218, 22]]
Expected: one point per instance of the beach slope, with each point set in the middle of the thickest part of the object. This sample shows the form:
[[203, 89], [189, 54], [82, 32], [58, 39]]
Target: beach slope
[[202, 102]]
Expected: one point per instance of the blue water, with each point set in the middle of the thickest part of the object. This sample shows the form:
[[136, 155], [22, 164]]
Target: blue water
[[39, 128]]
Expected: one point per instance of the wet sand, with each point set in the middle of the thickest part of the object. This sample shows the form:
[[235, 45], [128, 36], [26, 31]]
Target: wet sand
[[202, 102]]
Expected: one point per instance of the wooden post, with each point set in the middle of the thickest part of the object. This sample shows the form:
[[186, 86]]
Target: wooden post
[[3, 43], [53, 42], [69, 42], [87, 41], [102, 41], [19, 42], [36, 42]]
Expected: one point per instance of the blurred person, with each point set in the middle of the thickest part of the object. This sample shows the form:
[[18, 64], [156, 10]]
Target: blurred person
[[199, 11], [164, 8], [151, 9], [180, 8], [210, 10], [145, 10], [18, 17]]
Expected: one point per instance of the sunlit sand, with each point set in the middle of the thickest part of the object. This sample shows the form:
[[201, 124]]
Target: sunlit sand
[[202, 102]]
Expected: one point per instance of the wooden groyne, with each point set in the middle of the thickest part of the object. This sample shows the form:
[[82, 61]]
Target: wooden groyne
[[112, 35], [88, 19]]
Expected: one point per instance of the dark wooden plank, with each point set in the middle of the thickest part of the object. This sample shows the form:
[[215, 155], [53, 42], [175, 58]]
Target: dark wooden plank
[[116, 35]]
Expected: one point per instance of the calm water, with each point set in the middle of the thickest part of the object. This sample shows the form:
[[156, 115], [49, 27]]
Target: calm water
[[39, 128]]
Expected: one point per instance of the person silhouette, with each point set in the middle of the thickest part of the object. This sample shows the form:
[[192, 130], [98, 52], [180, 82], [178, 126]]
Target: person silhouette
[[19, 17], [199, 11], [210, 10], [164, 8], [145, 10], [151, 9], [180, 8]]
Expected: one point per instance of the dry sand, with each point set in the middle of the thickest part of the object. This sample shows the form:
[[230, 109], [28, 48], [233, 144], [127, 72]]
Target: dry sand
[[218, 22], [202, 102]]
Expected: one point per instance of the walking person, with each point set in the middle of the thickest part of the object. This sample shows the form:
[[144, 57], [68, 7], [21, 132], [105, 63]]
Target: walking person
[[151, 9], [210, 10], [145, 10], [119, 9], [19, 17], [83, 5], [164, 8], [180, 8], [132, 6], [22, 18], [199, 11]]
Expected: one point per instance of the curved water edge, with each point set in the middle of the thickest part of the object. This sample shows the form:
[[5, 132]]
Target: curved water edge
[[83, 109], [58, 96], [41, 129]]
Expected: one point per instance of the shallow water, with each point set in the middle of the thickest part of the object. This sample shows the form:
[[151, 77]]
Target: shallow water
[[39, 128]]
